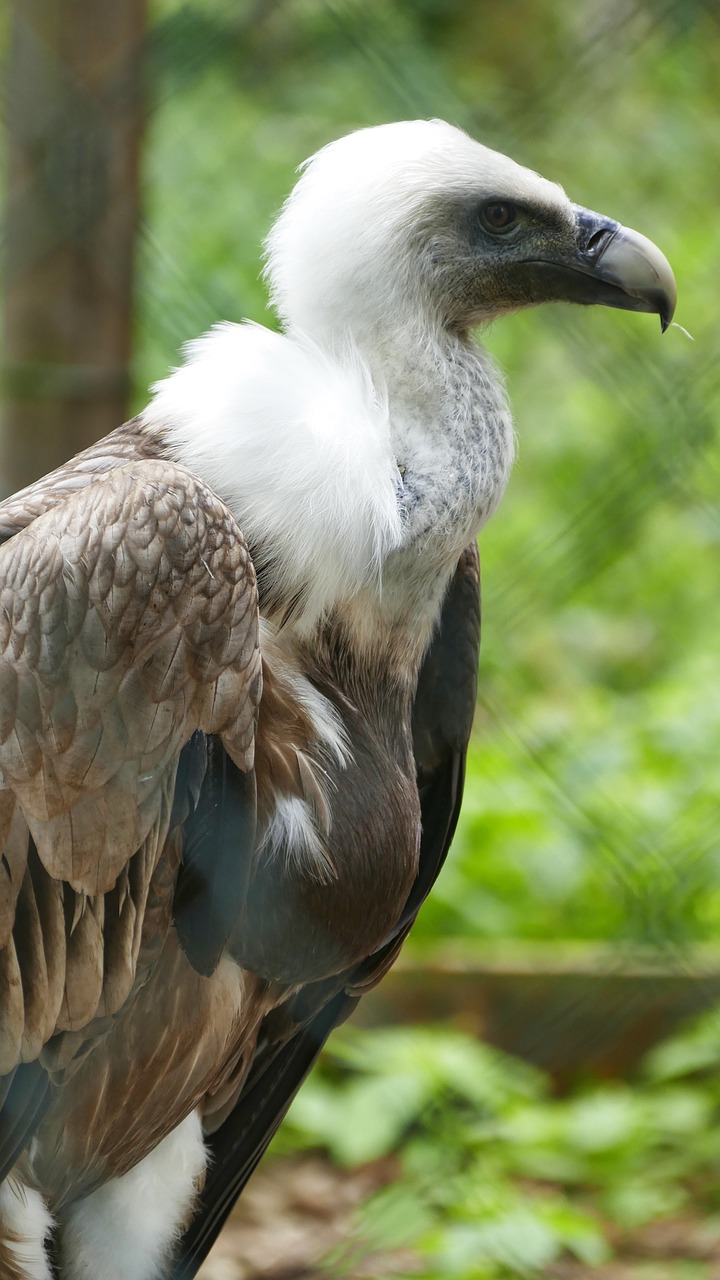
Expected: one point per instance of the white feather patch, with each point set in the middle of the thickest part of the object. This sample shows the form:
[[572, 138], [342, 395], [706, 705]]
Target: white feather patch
[[127, 1228], [343, 251], [298, 446], [292, 834], [325, 720], [332, 740], [25, 1218]]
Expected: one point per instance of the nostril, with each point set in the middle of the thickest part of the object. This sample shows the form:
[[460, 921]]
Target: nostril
[[598, 241], [594, 233]]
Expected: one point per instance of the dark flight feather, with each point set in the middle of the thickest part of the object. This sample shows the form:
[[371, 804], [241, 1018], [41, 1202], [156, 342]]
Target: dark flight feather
[[442, 721], [218, 839]]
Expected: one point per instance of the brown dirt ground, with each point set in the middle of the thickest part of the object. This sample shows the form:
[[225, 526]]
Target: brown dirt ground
[[296, 1210], [292, 1214]]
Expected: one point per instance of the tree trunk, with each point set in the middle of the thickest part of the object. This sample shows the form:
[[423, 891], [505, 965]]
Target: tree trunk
[[74, 125]]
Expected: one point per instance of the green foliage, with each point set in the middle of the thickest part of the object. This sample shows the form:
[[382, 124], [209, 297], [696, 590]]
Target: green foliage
[[499, 1179], [591, 805]]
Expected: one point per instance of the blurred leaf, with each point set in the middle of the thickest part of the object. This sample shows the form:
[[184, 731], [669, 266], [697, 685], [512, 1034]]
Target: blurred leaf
[[603, 1120], [634, 1203], [695, 1049]]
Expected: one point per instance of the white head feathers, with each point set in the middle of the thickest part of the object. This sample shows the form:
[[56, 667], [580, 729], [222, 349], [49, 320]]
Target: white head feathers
[[331, 449], [344, 247]]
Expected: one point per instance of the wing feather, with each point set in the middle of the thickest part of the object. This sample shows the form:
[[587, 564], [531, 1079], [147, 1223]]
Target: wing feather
[[12, 1023], [126, 444], [294, 1034], [128, 622]]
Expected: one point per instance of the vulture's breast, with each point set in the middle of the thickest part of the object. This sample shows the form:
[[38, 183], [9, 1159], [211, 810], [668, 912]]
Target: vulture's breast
[[339, 824]]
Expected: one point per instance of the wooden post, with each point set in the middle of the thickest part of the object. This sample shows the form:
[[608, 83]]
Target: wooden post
[[74, 126]]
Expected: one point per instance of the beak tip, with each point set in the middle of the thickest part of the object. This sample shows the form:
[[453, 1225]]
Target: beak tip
[[668, 299], [637, 267], [666, 310]]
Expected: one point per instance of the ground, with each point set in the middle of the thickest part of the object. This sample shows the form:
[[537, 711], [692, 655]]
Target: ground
[[298, 1210]]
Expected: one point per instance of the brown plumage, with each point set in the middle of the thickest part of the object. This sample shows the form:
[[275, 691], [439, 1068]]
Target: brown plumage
[[224, 795], [128, 626]]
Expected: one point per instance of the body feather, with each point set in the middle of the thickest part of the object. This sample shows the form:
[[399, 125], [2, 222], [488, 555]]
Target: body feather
[[238, 653]]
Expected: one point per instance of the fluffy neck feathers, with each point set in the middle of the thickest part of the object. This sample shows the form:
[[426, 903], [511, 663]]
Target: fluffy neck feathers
[[350, 477]]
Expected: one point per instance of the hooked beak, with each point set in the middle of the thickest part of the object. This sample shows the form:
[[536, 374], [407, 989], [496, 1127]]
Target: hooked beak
[[627, 268], [610, 265]]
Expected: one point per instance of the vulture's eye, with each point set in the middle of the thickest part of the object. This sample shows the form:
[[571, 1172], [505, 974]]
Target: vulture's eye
[[499, 215]]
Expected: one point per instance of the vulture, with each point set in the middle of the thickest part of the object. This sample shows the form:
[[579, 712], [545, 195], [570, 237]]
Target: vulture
[[238, 656]]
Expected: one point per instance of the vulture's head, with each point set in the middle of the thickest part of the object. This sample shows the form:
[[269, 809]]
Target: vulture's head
[[416, 223]]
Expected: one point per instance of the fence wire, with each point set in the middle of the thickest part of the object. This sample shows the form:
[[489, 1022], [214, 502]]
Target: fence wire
[[592, 794], [591, 806]]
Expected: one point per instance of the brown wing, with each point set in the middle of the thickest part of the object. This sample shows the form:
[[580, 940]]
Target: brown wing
[[128, 619], [294, 1034], [130, 442]]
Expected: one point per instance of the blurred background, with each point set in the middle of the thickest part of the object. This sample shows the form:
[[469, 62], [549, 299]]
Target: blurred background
[[526, 1097]]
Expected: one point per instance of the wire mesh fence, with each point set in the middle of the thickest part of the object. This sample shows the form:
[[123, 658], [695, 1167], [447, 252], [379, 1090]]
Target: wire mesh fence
[[592, 798], [599, 687]]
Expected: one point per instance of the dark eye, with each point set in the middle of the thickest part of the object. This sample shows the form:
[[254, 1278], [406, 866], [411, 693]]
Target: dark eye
[[499, 215]]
